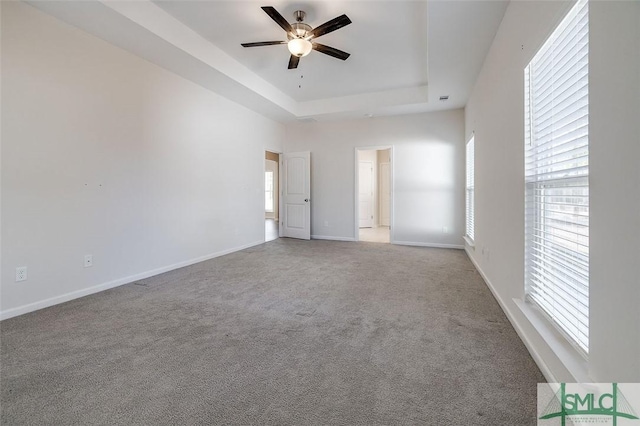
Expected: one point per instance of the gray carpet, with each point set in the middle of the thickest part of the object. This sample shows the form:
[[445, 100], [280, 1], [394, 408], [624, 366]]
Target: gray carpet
[[287, 333]]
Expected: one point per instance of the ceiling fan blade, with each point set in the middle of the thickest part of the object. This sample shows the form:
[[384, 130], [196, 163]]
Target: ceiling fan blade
[[263, 43], [331, 51], [278, 18], [293, 62], [332, 25]]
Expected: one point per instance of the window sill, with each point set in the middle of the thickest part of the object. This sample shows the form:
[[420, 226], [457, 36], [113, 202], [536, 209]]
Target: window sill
[[469, 242], [570, 357]]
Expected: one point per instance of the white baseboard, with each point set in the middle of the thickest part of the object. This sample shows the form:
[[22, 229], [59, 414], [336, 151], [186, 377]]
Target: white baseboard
[[30, 307], [402, 243], [331, 238], [537, 358], [434, 245]]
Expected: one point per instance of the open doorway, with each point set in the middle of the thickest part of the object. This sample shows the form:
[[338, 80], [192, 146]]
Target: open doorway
[[271, 192], [373, 194]]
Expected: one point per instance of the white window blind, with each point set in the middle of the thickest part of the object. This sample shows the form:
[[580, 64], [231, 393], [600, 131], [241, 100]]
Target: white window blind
[[470, 189], [268, 192], [556, 176]]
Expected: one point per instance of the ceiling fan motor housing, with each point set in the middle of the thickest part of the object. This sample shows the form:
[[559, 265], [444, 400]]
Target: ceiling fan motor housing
[[300, 29]]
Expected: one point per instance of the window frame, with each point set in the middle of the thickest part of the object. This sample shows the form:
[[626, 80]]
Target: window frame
[[470, 191]]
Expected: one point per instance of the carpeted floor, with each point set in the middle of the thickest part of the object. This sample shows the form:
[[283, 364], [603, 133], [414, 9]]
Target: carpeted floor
[[380, 234], [287, 333]]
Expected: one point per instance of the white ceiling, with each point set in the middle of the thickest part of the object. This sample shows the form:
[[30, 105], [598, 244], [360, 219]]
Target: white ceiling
[[404, 54], [387, 42]]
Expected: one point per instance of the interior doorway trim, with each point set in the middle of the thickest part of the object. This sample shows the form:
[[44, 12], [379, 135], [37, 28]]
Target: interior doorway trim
[[356, 195]]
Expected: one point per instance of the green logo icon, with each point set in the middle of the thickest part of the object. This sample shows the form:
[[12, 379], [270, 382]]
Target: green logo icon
[[565, 404]]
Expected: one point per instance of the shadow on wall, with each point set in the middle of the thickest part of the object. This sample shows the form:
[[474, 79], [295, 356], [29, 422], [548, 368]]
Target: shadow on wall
[[425, 194]]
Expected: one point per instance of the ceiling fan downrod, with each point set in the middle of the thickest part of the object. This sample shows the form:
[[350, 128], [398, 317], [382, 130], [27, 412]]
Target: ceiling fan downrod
[[299, 15]]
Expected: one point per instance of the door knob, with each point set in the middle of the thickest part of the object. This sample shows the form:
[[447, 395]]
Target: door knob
[[306, 200]]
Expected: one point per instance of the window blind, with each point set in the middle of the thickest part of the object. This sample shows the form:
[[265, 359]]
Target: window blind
[[470, 186], [556, 176], [268, 192]]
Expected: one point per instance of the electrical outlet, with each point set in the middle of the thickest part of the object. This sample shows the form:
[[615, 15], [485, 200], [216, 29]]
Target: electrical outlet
[[21, 273], [326, 223], [445, 230], [88, 260]]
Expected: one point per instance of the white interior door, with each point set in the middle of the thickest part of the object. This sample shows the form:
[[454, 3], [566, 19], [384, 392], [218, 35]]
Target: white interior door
[[385, 193], [365, 193], [296, 195]]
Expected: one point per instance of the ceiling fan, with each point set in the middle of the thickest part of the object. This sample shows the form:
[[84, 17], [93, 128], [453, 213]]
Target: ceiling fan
[[301, 35]]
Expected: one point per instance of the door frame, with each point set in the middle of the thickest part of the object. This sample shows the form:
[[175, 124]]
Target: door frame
[[356, 195]]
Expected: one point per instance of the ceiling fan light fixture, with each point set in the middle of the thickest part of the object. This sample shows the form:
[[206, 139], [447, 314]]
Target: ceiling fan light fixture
[[299, 47]]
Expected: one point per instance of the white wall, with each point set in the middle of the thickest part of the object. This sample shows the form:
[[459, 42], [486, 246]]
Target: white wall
[[428, 169], [106, 154], [495, 113]]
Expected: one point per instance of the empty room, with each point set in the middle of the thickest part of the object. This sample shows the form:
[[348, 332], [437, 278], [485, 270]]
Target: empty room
[[326, 213]]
